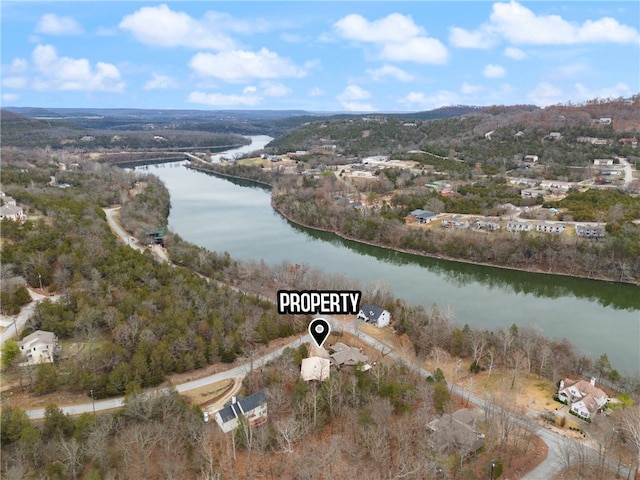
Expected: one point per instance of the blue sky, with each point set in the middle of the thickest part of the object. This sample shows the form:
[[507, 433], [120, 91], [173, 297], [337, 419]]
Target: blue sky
[[318, 56]]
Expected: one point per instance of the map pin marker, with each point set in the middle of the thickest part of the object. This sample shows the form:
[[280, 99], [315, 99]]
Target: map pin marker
[[319, 329]]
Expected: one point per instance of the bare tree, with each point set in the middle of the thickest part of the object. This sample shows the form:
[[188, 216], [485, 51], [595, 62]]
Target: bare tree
[[290, 431], [631, 423]]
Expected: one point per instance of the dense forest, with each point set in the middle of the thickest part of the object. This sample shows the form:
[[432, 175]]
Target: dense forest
[[127, 322], [494, 137], [137, 320]]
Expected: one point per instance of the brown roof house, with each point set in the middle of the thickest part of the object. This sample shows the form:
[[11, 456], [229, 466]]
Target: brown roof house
[[345, 356], [458, 430], [584, 398]]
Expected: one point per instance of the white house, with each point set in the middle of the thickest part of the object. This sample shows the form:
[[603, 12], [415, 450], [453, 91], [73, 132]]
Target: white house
[[253, 408], [315, 368], [39, 347], [603, 161], [589, 231], [374, 314], [584, 398], [550, 228], [519, 227]]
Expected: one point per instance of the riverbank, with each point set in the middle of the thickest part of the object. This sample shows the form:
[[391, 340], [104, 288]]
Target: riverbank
[[439, 256], [202, 168], [408, 251]]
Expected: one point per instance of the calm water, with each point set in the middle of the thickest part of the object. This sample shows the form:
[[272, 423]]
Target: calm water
[[237, 217]]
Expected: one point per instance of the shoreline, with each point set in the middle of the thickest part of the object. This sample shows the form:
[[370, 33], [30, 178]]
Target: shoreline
[[403, 250]]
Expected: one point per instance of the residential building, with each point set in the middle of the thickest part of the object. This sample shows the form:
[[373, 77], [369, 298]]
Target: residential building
[[39, 347], [13, 213], [315, 368], [550, 227], [589, 231], [253, 408], [603, 161], [345, 356], [631, 141], [583, 398], [530, 159], [593, 140], [423, 216], [486, 225], [455, 222], [375, 315], [519, 227], [458, 430]]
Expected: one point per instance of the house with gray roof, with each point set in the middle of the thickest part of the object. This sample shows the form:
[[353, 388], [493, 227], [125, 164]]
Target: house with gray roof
[[376, 315], [458, 430], [423, 216], [253, 408], [345, 356], [39, 347]]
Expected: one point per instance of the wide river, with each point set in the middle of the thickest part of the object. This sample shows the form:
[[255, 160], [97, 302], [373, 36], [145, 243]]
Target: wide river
[[236, 217]]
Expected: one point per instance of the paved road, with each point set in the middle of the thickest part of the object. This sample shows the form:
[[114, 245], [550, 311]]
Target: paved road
[[17, 322], [236, 372], [557, 444], [628, 172]]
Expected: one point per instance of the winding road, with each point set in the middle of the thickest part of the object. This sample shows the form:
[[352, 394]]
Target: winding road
[[558, 446]]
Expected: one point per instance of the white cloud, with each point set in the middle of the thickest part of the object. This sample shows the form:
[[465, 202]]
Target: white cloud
[[351, 97], [65, 73], [52, 24], [223, 100], [519, 25], [275, 89], [158, 82], [397, 36], [389, 71], [316, 92], [469, 89], [394, 28], [251, 95], [618, 90], [442, 98], [163, 27], [420, 50], [494, 71], [10, 97], [514, 53], [571, 70], [481, 38], [240, 65], [545, 94], [18, 65], [14, 82]]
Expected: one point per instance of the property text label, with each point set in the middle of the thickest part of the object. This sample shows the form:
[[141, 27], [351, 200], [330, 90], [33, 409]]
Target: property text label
[[336, 302]]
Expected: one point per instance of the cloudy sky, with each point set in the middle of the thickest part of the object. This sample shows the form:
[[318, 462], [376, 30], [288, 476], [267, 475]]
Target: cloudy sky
[[317, 56]]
